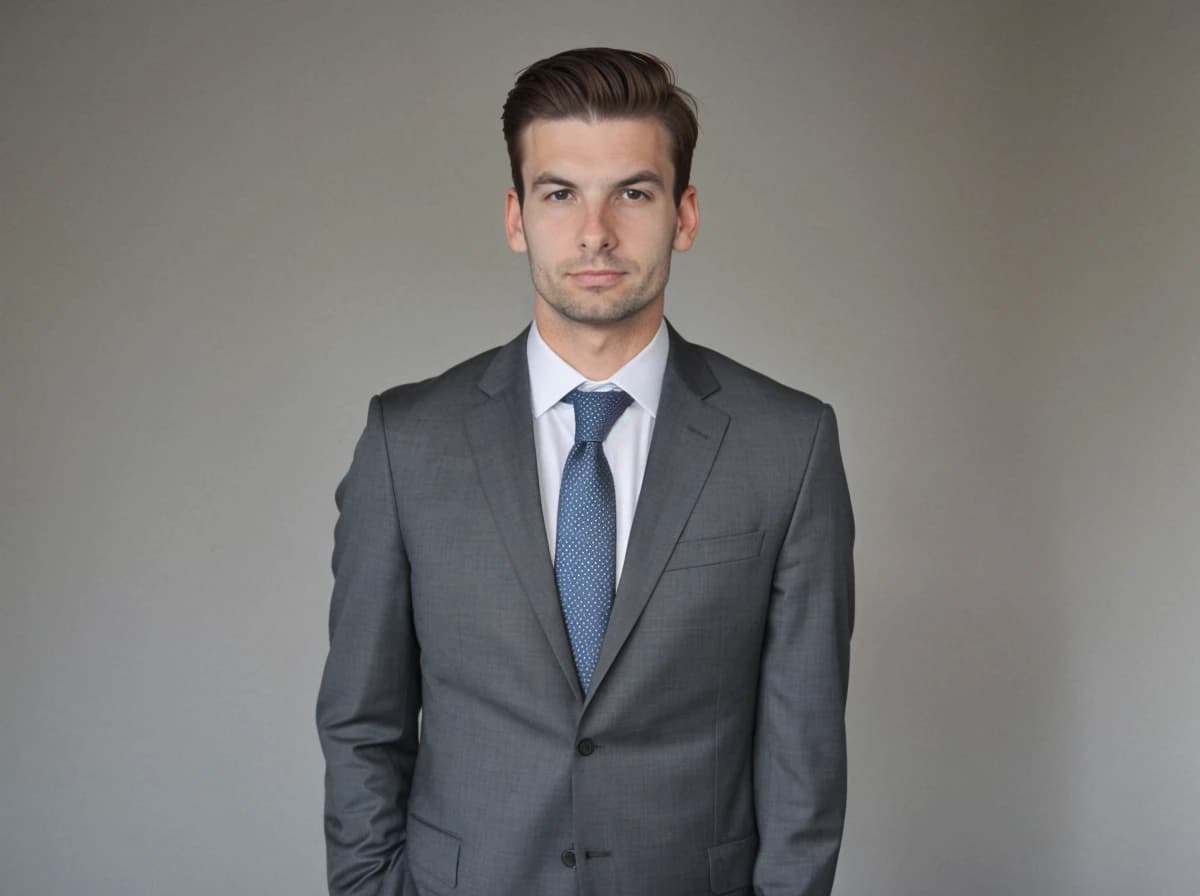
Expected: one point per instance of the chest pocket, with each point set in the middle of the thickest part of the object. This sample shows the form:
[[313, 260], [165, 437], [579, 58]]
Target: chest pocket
[[718, 549]]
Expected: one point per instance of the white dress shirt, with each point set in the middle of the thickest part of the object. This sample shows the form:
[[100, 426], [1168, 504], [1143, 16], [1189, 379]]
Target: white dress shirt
[[628, 442]]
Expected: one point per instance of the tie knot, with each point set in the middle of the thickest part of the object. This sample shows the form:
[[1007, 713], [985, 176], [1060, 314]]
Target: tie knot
[[596, 412]]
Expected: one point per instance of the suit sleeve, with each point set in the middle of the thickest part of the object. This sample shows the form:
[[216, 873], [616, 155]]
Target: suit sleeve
[[800, 731], [370, 691]]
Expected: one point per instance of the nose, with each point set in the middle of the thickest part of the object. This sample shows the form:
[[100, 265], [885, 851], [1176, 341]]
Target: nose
[[597, 233]]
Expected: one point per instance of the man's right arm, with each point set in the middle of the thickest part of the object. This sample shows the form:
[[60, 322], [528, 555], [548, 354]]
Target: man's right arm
[[370, 691]]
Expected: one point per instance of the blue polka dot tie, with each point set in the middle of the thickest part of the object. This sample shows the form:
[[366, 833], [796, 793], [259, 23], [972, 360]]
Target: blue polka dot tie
[[585, 552]]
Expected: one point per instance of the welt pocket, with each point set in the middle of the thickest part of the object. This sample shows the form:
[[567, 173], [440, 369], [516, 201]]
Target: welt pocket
[[717, 549]]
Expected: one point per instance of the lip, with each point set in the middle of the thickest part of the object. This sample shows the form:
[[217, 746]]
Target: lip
[[597, 277]]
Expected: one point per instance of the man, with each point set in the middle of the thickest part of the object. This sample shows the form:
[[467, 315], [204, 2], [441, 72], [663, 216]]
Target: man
[[610, 569]]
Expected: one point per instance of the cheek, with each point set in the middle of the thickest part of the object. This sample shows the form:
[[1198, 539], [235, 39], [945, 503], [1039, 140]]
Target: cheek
[[653, 234], [547, 238]]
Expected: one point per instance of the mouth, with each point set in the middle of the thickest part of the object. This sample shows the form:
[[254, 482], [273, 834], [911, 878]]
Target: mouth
[[597, 277]]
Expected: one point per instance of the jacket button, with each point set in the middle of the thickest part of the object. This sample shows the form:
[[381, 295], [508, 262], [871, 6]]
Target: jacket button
[[586, 747], [568, 858]]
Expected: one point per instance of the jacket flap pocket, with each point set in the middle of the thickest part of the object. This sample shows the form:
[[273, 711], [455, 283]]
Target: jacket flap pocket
[[432, 853], [721, 549], [731, 865]]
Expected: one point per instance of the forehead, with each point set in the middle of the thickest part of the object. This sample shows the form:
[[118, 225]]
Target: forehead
[[575, 147]]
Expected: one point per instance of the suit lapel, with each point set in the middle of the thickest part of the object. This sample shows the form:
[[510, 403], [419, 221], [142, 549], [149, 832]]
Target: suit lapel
[[500, 432], [687, 435]]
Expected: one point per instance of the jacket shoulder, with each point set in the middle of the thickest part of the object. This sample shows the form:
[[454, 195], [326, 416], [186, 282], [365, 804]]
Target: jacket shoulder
[[774, 422], [445, 394], [743, 387]]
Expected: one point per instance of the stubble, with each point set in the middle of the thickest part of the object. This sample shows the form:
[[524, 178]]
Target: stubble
[[597, 306]]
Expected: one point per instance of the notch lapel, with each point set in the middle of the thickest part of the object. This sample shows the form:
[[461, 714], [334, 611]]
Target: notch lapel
[[500, 432], [687, 435]]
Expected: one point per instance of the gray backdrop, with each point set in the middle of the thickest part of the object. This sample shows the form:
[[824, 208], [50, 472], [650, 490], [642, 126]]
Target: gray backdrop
[[972, 227]]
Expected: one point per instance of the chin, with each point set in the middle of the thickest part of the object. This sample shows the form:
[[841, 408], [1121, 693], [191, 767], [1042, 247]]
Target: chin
[[603, 312]]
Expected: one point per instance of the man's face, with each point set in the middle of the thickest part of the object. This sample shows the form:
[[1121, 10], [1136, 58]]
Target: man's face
[[599, 220]]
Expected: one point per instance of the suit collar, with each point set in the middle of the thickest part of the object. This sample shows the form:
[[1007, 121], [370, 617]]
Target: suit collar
[[510, 364], [500, 433], [687, 435]]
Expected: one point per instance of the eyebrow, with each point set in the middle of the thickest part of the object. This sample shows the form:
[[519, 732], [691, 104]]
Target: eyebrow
[[645, 176]]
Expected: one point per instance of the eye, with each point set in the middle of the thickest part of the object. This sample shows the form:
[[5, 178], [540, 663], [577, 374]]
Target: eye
[[636, 195], [559, 195]]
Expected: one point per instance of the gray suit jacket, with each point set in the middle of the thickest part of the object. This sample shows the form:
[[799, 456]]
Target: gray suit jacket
[[709, 755]]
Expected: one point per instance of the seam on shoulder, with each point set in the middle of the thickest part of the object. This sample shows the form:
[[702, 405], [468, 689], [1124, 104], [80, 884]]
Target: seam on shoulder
[[826, 410], [387, 456], [812, 448]]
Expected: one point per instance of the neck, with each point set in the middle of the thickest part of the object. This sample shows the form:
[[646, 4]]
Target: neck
[[597, 350]]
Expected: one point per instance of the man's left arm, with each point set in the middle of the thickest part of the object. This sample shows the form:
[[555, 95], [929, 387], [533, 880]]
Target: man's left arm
[[800, 731]]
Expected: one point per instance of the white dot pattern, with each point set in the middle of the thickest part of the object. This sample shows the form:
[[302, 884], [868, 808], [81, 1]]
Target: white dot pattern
[[586, 542]]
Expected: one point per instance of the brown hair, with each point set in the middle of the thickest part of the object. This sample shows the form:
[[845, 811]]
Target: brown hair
[[596, 83]]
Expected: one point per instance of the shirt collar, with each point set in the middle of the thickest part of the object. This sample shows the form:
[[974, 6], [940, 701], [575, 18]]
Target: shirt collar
[[550, 377]]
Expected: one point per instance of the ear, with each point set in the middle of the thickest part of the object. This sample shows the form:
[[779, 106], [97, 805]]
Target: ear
[[514, 226], [687, 220]]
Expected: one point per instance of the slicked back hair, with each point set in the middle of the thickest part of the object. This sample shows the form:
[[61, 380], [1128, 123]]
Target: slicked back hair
[[598, 83]]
